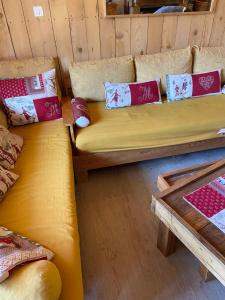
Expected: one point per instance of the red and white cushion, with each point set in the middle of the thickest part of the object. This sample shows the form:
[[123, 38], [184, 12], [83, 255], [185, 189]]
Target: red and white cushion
[[184, 86], [80, 112], [10, 148], [128, 94], [7, 180], [31, 99], [16, 250]]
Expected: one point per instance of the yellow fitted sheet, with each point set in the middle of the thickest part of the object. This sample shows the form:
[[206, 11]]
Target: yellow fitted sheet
[[41, 205], [149, 126]]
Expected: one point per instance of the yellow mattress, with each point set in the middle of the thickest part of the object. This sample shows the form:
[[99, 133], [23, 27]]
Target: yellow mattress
[[149, 126], [41, 205]]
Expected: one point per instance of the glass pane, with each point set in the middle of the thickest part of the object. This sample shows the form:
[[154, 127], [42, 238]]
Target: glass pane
[[125, 7]]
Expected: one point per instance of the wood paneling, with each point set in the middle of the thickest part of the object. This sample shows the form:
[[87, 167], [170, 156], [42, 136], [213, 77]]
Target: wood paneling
[[77, 30], [139, 35], [6, 46], [17, 27]]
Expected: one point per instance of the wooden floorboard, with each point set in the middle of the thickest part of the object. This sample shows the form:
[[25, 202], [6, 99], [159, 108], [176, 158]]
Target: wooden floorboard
[[118, 242]]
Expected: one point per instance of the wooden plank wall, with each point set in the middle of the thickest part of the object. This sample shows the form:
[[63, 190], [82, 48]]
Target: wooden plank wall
[[76, 30]]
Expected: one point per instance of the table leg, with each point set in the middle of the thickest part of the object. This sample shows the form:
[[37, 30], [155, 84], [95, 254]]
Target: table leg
[[205, 273], [166, 241]]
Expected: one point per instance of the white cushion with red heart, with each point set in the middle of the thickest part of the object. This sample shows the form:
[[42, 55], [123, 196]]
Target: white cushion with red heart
[[185, 86]]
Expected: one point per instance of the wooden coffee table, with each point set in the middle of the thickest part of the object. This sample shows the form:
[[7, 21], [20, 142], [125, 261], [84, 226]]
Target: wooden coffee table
[[179, 220]]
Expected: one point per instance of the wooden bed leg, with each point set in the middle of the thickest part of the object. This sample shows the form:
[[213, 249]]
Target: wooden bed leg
[[205, 273], [81, 175], [166, 241]]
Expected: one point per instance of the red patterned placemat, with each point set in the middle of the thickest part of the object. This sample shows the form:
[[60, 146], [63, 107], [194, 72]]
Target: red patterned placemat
[[209, 200]]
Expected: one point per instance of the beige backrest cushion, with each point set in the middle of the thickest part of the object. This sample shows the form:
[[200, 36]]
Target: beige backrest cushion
[[208, 59], [88, 78], [27, 67], [157, 66]]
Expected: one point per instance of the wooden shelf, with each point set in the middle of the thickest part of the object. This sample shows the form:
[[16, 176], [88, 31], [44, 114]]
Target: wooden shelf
[[160, 15]]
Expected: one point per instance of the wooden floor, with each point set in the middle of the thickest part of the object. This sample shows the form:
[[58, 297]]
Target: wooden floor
[[118, 242]]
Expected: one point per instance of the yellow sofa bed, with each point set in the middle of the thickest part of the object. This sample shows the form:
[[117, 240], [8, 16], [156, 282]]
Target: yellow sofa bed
[[138, 133], [150, 126], [41, 205]]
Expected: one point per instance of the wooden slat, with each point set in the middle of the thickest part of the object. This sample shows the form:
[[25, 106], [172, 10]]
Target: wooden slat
[[173, 175], [197, 30], [67, 112], [183, 32], [214, 235], [155, 28], [6, 48], [92, 26], [108, 37], [207, 30], [40, 28], [177, 14], [18, 29], [107, 33], [169, 33], [218, 167], [78, 29], [60, 23], [139, 37], [123, 36], [217, 32]]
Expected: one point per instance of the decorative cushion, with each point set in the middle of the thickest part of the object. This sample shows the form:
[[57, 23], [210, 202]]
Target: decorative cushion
[[7, 180], [128, 94], [80, 112], [18, 68], [10, 148], [16, 250], [193, 85], [39, 280], [88, 78], [31, 99], [149, 67], [3, 119], [209, 58]]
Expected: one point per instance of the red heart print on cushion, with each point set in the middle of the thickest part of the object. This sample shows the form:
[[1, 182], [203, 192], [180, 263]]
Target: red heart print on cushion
[[206, 82]]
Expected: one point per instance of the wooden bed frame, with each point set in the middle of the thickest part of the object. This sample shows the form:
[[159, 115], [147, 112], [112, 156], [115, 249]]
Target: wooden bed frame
[[86, 162]]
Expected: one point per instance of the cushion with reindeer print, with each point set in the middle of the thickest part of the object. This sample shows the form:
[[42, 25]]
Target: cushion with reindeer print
[[128, 94]]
